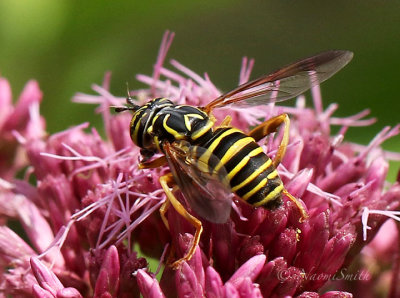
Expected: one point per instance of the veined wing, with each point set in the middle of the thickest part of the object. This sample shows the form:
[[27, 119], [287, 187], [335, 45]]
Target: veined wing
[[206, 191], [285, 83]]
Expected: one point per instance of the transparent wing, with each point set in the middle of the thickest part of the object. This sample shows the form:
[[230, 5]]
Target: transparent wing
[[206, 191], [287, 82]]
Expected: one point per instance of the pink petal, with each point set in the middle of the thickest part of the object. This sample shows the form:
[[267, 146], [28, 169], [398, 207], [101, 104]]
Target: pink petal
[[5, 100], [108, 278], [20, 115], [230, 291], [250, 269], [45, 277], [187, 283], [213, 285], [12, 247], [39, 292], [149, 286], [69, 293]]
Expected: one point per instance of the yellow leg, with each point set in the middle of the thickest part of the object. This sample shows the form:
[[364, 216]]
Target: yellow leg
[[303, 212], [155, 163], [270, 126], [164, 180], [163, 209], [226, 122]]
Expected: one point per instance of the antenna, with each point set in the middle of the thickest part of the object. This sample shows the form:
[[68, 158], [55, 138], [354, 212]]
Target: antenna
[[129, 101]]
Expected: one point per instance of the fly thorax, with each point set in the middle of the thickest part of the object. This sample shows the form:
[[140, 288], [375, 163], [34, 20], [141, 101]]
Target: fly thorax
[[177, 123], [142, 121], [202, 132]]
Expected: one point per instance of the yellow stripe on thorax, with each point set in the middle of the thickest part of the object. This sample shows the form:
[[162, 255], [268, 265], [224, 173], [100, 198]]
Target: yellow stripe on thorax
[[156, 141], [136, 129], [171, 131], [200, 132], [187, 117]]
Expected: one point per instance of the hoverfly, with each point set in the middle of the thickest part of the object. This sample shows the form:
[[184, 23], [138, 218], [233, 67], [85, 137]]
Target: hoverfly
[[210, 164]]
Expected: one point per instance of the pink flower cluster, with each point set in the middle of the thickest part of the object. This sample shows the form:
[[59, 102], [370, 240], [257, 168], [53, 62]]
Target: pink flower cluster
[[85, 207]]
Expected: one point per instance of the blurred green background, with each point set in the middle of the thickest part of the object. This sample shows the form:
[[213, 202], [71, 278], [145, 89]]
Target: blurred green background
[[68, 45]]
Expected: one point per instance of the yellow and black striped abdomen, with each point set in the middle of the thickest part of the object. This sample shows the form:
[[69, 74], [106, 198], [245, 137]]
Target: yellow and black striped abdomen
[[250, 171]]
